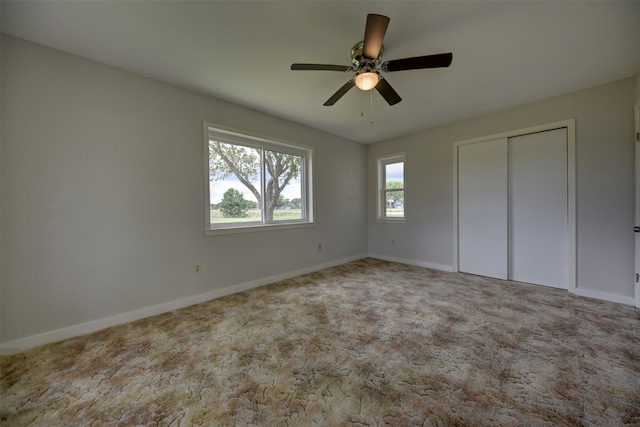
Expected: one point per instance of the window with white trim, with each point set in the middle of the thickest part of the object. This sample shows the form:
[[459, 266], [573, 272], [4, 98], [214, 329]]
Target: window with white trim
[[391, 187], [254, 182]]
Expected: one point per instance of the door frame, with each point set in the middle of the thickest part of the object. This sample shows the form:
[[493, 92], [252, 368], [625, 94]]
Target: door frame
[[637, 207], [570, 125]]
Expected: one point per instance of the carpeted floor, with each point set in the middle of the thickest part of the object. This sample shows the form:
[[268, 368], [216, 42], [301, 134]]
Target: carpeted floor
[[366, 343]]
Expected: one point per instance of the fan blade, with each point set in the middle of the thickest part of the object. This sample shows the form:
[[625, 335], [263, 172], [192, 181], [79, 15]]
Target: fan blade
[[387, 92], [321, 67], [373, 35], [419, 62], [340, 93]]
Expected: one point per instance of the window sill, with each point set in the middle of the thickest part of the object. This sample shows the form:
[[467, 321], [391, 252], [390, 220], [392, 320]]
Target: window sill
[[391, 220], [256, 228]]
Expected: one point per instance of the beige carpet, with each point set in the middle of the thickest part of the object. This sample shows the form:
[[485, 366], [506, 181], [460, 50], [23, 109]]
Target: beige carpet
[[363, 344]]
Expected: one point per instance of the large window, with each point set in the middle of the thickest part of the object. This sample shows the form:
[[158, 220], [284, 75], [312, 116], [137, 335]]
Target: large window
[[253, 182], [391, 190]]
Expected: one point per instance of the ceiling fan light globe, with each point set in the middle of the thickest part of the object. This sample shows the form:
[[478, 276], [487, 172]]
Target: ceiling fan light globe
[[367, 81]]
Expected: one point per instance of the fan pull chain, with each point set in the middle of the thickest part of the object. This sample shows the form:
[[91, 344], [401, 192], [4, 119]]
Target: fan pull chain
[[371, 107]]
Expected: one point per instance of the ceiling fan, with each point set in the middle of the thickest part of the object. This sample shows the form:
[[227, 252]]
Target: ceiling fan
[[366, 63]]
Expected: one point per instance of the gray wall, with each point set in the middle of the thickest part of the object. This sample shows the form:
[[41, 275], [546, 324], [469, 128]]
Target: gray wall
[[605, 184], [103, 195], [102, 204]]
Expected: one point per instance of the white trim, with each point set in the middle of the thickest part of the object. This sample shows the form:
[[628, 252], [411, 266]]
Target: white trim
[[238, 137], [572, 238], [636, 222], [570, 124], [381, 162], [257, 228], [621, 299], [96, 325], [243, 137], [435, 266]]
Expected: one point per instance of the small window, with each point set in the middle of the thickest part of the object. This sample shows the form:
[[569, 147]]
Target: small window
[[391, 189], [254, 182]]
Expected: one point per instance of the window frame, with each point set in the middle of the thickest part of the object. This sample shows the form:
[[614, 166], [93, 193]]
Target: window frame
[[239, 137], [381, 163]]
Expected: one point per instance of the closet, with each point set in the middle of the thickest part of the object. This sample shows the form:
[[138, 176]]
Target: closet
[[513, 208]]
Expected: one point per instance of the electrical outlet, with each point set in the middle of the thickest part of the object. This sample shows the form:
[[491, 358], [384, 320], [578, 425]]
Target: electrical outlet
[[319, 247], [196, 269]]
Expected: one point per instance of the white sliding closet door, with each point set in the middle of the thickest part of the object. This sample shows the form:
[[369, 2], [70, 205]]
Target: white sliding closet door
[[538, 243], [482, 208]]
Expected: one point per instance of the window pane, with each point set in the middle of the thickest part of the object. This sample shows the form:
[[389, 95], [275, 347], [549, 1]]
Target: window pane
[[253, 182], [395, 204], [391, 187], [234, 183], [394, 175], [283, 193]]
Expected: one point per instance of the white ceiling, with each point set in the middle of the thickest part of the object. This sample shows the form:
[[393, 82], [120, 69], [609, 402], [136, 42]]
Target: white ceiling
[[505, 53]]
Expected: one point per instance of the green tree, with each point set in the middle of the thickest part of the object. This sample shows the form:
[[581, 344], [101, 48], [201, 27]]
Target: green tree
[[282, 202], [233, 204], [244, 162], [396, 196]]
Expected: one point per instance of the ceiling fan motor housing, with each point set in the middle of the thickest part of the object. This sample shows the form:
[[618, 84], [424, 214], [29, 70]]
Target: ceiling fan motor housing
[[361, 63]]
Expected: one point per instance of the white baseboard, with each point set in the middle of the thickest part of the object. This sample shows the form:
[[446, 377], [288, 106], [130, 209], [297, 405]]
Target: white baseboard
[[621, 299], [425, 264], [96, 325], [605, 296]]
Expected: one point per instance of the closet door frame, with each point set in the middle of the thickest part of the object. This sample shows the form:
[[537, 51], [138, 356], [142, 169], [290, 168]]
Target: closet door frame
[[569, 124]]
